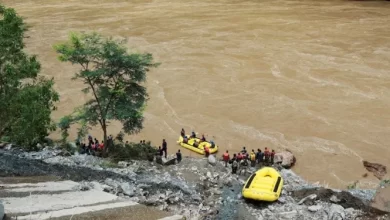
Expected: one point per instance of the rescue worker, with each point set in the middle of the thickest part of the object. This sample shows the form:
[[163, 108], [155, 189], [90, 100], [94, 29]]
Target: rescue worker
[[160, 151], [193, 135], [252, 158], [233, 159], [182, 133], [239, 156], [266, 156], [206, 151], [234, 166], [259, 156], [164, 147], [203, 139], [178, 156], [212, 144], [244, 165], [226, 158], [272, 156]]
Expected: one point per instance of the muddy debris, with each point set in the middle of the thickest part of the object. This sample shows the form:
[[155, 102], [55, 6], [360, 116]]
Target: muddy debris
[[377, 169]]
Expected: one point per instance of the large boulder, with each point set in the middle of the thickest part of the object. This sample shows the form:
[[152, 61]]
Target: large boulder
[[1, 210], [212, 160], [336, 212], [378, 169], [285, 158], [128, 189], [381, 202], [168, 162]]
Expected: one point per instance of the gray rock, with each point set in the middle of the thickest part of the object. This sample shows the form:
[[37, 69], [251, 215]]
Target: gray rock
[[208, 174], [1, 210], [292, 215], [167, 162], [128, 189], [159, 159], [336, 212], [314, 208], [309, 197], [211, 159], [334, 199], [123, 164], [282, 200]]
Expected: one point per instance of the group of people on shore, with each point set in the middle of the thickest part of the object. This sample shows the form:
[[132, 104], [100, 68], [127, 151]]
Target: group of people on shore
[[242, 159], [93, 146]]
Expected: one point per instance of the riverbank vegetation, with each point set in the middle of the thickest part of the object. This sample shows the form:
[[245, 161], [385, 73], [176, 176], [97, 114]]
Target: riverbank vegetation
[[112, 75], [26, 98]]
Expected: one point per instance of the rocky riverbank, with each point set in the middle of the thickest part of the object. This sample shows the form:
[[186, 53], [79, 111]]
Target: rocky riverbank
[[193, 188]]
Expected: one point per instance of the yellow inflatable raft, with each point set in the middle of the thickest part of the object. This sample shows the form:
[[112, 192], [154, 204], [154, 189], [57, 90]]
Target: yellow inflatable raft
[[264, 185], [200, 148]]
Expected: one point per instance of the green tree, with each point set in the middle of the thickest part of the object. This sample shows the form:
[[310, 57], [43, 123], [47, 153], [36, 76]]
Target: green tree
[[26, 99], [113, 76]]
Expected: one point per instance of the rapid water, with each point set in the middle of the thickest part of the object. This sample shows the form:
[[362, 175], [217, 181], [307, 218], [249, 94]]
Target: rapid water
[[310, 76]]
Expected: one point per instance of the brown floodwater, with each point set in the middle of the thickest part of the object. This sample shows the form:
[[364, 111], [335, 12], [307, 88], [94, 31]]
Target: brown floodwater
[[309, 76]]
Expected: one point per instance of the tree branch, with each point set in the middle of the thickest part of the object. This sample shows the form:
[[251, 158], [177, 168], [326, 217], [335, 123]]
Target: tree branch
[[97, 100], [112, 95]]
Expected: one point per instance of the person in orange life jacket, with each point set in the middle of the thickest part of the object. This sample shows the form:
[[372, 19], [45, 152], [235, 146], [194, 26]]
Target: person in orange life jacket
[[164, 147], [203, 139], [239, 156], [206, 151], [226, 157], [266, 156], [252, 158], [272, 156], [182, 133], [101, 145], [178, 156]]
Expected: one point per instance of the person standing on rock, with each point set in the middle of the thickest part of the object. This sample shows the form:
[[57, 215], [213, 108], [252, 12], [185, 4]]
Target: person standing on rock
[[164, 147], [234, 166], [206, 151], [272, 157], [252, 157], [259, 156], [226, 158], [178, 156], [266, 156]]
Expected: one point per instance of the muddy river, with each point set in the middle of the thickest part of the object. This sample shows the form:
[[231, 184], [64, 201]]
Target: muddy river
[[309, 76]]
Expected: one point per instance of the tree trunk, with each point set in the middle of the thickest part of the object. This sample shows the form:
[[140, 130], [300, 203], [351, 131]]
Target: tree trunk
[[104, 127]]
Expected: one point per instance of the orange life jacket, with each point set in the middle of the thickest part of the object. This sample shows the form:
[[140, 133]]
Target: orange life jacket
[[206, 149], [225, 156]]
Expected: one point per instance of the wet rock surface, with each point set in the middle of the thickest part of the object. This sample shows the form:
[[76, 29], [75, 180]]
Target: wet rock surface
[[377, 169], [194, 188]]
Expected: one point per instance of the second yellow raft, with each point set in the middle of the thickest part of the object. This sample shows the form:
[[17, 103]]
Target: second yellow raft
[[264, 185], [200, 148]]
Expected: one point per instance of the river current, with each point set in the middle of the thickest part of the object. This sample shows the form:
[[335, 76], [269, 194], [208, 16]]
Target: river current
[[309, 76]]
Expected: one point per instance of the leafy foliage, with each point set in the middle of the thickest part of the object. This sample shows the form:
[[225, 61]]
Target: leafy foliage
[[26, 100], [122, 152], [113, 76]]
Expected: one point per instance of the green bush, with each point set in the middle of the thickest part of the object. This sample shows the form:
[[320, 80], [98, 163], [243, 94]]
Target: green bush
[[131, 151]]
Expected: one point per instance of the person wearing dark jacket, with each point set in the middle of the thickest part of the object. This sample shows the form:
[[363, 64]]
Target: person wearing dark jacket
[[178, 156], [164, 148]]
